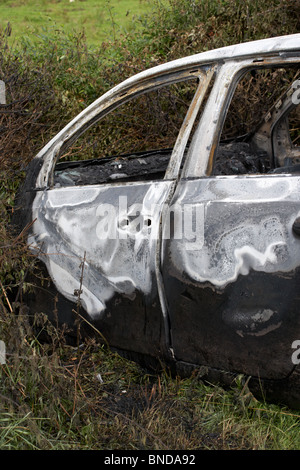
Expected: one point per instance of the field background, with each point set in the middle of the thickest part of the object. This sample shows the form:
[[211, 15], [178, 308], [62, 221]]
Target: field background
[[56, 57], [99, 19]]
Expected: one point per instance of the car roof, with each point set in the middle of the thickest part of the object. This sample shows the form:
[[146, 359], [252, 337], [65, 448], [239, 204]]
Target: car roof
[[252, 49], [259, 47]]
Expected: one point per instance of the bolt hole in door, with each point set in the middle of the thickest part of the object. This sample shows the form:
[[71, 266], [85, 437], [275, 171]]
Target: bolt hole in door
[[124, 223], [296, 226]]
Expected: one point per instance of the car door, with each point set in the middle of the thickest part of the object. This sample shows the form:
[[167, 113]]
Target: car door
[[231, 262], [97, 222]]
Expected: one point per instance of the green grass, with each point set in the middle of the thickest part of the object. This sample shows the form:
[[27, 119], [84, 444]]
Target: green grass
[[60, 398], [99, 19]]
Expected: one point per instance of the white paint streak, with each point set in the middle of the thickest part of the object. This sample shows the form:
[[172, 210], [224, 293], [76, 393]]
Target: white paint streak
[[248, 257], [121, 263], [259, 325], [247, 225], [69, 285]]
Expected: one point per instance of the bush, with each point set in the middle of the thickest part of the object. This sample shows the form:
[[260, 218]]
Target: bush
[[185, 27]]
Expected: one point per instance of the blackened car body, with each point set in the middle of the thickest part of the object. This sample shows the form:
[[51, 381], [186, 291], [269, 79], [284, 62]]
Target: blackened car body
[[182, 246]]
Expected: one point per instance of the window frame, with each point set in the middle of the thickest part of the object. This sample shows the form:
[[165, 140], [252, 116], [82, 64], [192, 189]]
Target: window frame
[[114, 99], [201, 157]]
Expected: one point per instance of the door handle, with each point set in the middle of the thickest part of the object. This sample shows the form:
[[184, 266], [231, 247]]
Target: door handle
[[296, 226]]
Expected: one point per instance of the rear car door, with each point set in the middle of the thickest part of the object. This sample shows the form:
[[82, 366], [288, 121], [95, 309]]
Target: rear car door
[[231, 265]]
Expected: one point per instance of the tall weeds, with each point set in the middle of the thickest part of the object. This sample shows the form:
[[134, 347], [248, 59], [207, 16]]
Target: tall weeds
[[187, 27]]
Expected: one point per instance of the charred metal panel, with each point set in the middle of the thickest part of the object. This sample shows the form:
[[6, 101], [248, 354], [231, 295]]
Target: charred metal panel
[[141, 166], [234, 285], [131, 326], [115, 228]]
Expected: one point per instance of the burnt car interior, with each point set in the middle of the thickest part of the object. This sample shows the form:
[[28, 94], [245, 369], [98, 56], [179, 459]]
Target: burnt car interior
[[260, 134], [142, 134], [261, 131], [128, 167]]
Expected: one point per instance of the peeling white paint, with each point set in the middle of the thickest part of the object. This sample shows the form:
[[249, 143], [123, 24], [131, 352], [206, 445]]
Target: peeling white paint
[[69, 285], [247, 226], [67, 229], [261, 324], [248, 257]]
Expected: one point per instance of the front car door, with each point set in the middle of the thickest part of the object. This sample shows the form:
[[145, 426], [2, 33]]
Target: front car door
[[97, 220]]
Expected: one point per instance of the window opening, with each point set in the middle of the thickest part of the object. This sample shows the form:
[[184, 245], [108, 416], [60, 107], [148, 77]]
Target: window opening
[[261, 129], [133, 142]]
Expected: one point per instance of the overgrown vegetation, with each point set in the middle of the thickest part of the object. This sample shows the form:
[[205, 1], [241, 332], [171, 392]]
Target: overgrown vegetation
[[54, 396]]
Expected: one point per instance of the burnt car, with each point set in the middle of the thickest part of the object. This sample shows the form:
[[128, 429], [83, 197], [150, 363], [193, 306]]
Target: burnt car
[[167, 216]]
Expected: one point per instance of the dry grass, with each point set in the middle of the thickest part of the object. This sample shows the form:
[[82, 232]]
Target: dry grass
[[54, 396]]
